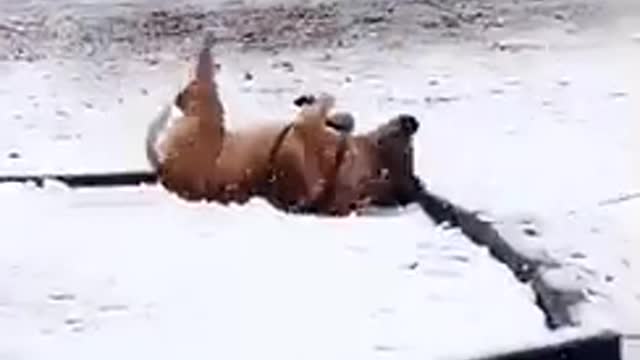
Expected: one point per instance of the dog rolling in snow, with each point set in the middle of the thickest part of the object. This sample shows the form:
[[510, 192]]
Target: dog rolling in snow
[[198, 159], [313, 164]]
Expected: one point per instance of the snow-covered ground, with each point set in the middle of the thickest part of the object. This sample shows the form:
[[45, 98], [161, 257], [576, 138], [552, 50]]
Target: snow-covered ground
[[540, 136], [136, 273]]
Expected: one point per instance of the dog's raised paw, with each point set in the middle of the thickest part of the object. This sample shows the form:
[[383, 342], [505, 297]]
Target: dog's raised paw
[[303, 100], [342, 122]]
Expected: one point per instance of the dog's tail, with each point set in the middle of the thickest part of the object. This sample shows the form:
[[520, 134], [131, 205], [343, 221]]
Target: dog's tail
[[156, 126]]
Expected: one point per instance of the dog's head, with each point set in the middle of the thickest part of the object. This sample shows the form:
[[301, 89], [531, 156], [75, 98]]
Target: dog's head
[[393, 144], [400, 128], [342, 122]]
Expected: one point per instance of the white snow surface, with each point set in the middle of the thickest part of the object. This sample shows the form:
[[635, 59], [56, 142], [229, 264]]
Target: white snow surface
[[533, 139], [163, 279]]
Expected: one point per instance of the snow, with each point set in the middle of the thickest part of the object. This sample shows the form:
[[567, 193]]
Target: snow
[[532, 139], [163, 278]]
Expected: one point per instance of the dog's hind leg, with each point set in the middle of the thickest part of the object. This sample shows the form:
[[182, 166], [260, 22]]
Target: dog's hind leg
[[212, 112], [201, 104]]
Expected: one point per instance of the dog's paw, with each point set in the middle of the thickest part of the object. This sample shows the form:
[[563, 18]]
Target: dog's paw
[[303, 100], [342, 122], [323, 100]]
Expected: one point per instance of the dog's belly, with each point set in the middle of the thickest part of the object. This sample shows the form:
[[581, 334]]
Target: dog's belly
[[241, 169]]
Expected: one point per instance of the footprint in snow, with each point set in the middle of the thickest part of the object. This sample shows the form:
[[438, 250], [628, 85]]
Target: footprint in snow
[[529, 229], [13, 155], [384, 348], [618, 94], [111, 308], [409, 266], [528, 225], [62, 297], [75, 324], [73, 321], [61, 113], [458, 258], [441, 273]]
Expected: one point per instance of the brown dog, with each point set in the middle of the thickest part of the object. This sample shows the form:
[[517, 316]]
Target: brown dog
[[200, 159], [312, 164]]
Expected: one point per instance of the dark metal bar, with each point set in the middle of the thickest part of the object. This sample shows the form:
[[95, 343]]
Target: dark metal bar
[[555, 303], [87, 180], [599, 347]]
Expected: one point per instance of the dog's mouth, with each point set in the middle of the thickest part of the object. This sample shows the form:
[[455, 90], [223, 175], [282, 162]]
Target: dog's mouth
[[341, 122]]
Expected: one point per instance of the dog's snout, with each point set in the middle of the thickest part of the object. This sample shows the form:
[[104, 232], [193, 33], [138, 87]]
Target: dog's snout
[[409, 123]]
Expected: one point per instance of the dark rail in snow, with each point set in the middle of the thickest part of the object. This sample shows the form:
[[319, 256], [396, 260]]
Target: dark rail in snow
[[554, 302], [605, 346], [87, 180]]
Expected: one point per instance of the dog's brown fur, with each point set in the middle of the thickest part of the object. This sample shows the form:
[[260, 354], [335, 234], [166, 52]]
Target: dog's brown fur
[[377, 168], [313, 164], [202, 160]]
